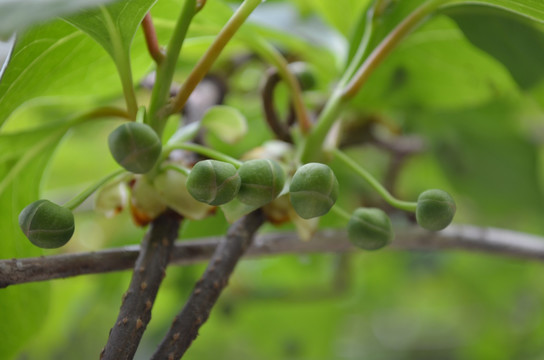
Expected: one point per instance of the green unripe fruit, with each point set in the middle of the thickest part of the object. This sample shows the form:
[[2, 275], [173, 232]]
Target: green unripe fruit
[[135, 146], [435, 209], [213, 182], [46, 224], [313, 190], [262, 182], [370, 228]]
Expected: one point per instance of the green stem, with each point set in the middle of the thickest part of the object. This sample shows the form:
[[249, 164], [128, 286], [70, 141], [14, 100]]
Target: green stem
[[167, 67], [341, 212], [140, 115], [179, 169], [207, 60], [80, 198], [212, 154], [312, 150], [151, 41], [185, 133], [103, 112], [122, 63], [356, 168], [273, 56], [358, 58]]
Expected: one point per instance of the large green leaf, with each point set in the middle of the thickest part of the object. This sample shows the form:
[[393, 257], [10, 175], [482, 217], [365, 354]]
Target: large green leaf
[[533, 9], [515, 42], [435, 67], [18, 15], [24, 307], [55, 60], [340, 14], [486, 156], [113, 26]]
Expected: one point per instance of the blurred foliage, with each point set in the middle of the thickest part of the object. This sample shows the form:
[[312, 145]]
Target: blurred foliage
[[476, 104]]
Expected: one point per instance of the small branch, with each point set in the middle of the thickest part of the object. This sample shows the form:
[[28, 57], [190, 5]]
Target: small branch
[[149, 270], [151, 39], [186, 324], [459, 237]]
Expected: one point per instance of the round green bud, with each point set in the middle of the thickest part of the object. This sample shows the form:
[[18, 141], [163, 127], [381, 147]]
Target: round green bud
[[135, 146], [370, 228], [213, 182], [435, 209], [313, 190], [47, 224], [262, 182]]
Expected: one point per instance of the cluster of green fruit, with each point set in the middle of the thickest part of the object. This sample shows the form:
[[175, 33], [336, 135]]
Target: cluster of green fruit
[[135, 146], [313, 191], [313, 188]]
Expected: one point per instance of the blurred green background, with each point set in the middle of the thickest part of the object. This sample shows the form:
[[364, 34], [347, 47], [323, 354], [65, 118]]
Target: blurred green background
[[475, 101]]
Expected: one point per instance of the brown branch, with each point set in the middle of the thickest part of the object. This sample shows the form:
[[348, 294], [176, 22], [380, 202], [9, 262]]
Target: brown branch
[[149, 270], [186, 324], [151, 39], [460, 237]]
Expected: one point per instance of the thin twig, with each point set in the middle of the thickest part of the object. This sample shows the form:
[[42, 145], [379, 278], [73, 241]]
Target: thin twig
[[386, 46], [186, 324], [151, 39], [209, 57], [149, 270], [461, 237], [271, 80], [270, 54]]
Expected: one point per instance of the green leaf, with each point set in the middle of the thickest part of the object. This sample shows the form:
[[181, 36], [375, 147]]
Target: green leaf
[[55, 60], [24, 306], [18, 15], [486, 156], [532, 9], [435, 67], [6, 47], [341, 14], [113, 26], [512, 40], [225, 122]]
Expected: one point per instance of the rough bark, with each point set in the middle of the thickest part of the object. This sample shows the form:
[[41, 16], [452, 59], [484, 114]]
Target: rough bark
[[197, 309], [149, 270]]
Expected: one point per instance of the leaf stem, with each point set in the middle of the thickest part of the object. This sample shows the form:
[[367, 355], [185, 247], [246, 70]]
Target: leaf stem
[[358, 58], [179, 169], [81, 197], [363, 173], [151, 41], [122, 63], [341, 212], [207, 60], [165, 69], [213, 154]]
